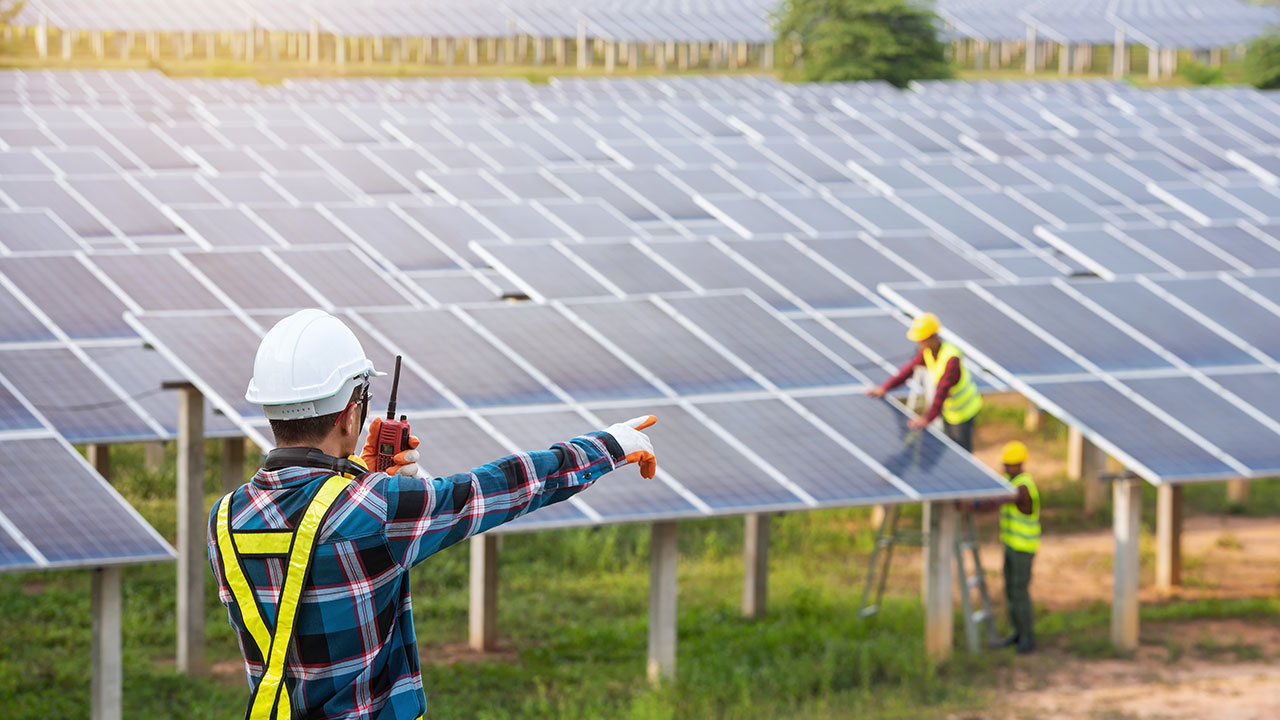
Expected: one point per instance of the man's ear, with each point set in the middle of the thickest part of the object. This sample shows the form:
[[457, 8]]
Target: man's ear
[[351, 423]]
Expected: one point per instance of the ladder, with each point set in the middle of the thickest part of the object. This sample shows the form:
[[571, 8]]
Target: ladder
[[966, 541], [975, 620]]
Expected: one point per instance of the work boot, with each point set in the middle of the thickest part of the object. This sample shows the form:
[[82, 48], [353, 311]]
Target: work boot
[[1009, 641], [1026, 648]]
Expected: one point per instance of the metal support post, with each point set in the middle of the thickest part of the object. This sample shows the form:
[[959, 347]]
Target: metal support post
[[662, 603], [1168, 536], [483, 614], [100, 458], [313, 47], [755, 584], [1064, 59], [1031, 418], [1119, 55], [1153, 62], [191, 531], [610, 56], [153, 456], [1127, 500], [939, 559], [68, 38], [584, 50], [42, 37], [106, 665]]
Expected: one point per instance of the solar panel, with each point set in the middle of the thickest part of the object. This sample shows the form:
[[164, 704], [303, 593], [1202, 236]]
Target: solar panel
[[1148, 314], [627, 267], [711, 269], [343, 277], [155, 281], [91, 311], [774, 349], [1250, 249], [250, 280], [42, 193], [921, 459], [545, 270], [301, 225], [1260, 389], [81, 407], [808, 279], [224, 227], [1134, 431], [52, 516], [14, 415], [658, 342], [451, 445], [1230, 310], [816, 463], [468, 364], [1215, 419], [140, 373], [34, 230], [454, 228], [562, 352], [216, 349]]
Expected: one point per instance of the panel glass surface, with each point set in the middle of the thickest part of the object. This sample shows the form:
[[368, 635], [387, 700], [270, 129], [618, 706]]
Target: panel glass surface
[[33, 230], [251, 280], [658, 342], [800, 274], [922, 460], [217, 349], [467, 364], [67, 393], [797, 449], [562, 352], [546, 270], [711, 269], [91, 311], [72, 517], [1260, 389], [1212, 417], [156, 281], [225, 227], [1136, 432]]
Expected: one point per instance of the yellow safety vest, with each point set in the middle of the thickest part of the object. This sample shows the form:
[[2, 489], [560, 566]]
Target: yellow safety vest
[[964, 401], [1017, 531], [270, 700]]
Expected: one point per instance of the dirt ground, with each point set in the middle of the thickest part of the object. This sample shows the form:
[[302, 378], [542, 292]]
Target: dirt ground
[[1191, 670]]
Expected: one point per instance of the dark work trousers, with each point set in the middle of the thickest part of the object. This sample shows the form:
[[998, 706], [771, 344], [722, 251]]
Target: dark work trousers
[[1017, 583], [962, 434]]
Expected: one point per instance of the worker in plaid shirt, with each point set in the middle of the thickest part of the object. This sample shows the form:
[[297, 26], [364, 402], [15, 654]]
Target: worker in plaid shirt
[[317, 549]]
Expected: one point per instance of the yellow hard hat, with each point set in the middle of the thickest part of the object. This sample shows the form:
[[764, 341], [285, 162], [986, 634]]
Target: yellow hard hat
[[1015, 453], [925, 326]]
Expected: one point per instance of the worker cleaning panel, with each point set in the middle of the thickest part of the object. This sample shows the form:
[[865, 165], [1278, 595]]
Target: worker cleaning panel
[[312, 555], [955, 396]]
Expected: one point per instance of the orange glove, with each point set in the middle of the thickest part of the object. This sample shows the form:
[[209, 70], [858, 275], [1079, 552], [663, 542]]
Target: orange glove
[[404, 463], [636, 446]]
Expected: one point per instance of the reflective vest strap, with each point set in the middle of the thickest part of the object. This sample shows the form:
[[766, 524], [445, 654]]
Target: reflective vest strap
[[963, 401], [234, 574], [1018, 531], [263, 543], [267, 696]]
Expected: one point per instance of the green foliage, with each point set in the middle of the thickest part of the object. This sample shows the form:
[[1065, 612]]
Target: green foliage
[[1200, 74], [847, 40], [1262, 61]]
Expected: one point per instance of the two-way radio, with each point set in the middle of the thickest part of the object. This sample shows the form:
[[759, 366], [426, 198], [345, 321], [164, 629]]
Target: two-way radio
[[393, 435]]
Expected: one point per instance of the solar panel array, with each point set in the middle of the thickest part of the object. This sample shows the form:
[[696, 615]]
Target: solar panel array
[[631, 21], [1188, 24], [1175, 376]]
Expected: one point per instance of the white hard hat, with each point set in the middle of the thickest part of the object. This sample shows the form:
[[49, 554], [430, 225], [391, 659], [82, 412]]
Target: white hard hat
[[308, 365]]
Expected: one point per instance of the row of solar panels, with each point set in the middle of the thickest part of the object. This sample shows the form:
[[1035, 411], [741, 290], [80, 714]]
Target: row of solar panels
[[1162, 23], [1189, 24], [632, 21], [1177, 377]]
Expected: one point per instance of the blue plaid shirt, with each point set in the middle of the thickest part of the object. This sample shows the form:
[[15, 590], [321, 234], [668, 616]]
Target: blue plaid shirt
[[354, 654]]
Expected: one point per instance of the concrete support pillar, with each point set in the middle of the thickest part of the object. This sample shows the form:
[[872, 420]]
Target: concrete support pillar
[[1086, 462], [153, 456], [473, 51], [1127, 501], [68, 38], [561, 48], [99, 41], [766, 57], [1153, 63], [210, 45], [662, 603], [42, 37], [584, 49], [1119, 55], [1064, 59], [659, 57], [232, 463], [939, 560], [106, 664], [100, 458], [1031, 50], [1237, 492], [340, 50], [1215, 57], [978, 56], [633, 56], [539, 52], [878, 513], [1031, 418], [610, 57], [250, 45], [191, 531], [313, 45], [755, 585], [1168, 536], [1083, 59], [684, 56], [483, 615]]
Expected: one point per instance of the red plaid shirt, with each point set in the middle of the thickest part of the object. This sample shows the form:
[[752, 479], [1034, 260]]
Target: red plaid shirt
[[354, 654]]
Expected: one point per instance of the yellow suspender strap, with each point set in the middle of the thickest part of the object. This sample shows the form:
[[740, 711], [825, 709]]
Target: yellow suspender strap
[[274, 646]]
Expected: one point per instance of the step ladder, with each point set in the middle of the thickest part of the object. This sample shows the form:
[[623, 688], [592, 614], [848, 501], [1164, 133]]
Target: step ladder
[[980, 618], [966, 541]]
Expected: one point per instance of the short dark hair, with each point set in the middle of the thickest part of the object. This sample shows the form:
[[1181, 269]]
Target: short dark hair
[[307, 431]]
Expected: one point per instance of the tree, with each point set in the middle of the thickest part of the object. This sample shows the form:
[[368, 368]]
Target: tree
[[9, 10], [1262, 61], [843, 40]]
